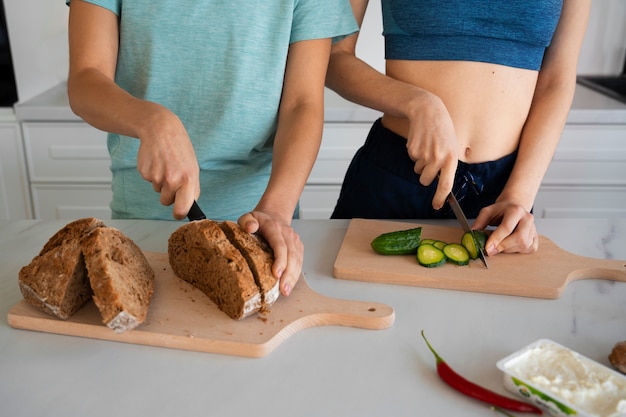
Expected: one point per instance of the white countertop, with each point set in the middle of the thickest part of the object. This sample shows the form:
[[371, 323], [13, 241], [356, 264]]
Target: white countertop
[[322, 371], [588, 107]]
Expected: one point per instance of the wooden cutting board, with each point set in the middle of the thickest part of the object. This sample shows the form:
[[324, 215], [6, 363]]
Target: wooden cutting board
[[182, 317], [543, 274]]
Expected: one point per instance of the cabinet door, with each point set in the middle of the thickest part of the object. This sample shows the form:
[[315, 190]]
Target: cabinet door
[[589, 155], [339, 144], [71, 201], [66, 153], [318, 201], [14, 195], [555, 202]]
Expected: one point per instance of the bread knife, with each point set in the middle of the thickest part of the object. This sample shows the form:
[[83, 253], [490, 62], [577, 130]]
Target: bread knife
[[460, 216], [195, 212]]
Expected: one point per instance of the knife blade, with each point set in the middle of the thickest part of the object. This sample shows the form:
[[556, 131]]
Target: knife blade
[[460, 216], [195, 212]]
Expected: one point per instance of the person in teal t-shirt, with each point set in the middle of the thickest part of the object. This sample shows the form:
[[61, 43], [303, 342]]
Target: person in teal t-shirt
[[219, 101]]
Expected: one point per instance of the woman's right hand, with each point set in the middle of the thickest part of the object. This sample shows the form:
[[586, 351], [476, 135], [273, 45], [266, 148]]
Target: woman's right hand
[[433, 146], [167, 160]]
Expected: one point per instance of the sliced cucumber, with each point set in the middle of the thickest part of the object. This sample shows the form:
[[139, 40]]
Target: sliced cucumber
[[439, 244], [473, 241], [429, 241], [430, 256], [456, 254]]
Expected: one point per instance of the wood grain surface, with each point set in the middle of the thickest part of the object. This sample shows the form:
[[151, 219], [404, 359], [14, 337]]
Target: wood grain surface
[[543, 274], [182, 317]]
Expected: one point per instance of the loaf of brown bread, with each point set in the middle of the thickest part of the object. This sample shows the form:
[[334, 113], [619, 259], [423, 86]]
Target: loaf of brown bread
[[56, 281], [121, 278], [84, 260], [231, 266]]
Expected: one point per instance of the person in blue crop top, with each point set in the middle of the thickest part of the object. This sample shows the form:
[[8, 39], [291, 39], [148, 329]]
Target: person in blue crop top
[[219, 101], [474, 98]]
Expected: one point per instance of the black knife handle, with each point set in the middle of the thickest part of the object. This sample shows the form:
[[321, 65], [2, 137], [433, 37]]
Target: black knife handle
[[195, 212]]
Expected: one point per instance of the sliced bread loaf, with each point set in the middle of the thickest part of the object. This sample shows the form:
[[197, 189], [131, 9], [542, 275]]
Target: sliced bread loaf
[[56, 281], [222, 261], [120, 276]]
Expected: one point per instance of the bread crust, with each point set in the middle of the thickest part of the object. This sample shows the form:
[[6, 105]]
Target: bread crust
[[56, 281], [120, 276]]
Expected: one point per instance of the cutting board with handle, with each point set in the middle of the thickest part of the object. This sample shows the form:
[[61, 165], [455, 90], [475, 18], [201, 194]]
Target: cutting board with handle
[[543, 274], [183, 317]]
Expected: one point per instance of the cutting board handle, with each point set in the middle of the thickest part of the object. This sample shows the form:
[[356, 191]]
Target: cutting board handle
[[611, 269]]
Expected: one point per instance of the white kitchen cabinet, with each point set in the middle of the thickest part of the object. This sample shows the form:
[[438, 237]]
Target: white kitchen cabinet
[[318, 201], [587, 176], [339, 143], [68, 166], [14, 195], [71, 201], [580, 202]]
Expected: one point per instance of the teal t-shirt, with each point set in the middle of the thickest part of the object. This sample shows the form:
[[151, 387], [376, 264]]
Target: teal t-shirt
[[219, 66]]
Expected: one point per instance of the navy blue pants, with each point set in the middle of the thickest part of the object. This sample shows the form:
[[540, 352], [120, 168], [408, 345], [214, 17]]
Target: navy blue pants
[[380, 183]]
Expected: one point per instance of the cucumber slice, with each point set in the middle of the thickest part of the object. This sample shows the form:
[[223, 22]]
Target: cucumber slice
[[439, 244], [456, 254], [427, 241], [430, 256], [473, 241]]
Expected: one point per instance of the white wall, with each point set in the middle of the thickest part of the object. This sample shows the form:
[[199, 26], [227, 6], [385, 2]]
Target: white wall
[[604, 46], [38, 36]]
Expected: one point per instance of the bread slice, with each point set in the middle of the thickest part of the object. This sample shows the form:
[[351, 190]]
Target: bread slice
[[56, 281], [121, 278], [260, 258], [202, 254]]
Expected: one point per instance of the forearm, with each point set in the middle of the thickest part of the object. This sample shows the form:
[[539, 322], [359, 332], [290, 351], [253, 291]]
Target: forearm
[[100, 102], [347, 75], [296, 145], [551, 103], [540, 137]]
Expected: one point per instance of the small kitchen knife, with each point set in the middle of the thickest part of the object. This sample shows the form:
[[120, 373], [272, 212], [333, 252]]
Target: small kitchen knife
[[460, 216], [195, 212]]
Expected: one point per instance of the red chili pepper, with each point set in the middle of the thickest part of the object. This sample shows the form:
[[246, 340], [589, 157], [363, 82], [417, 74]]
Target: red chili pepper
[[456, 381]]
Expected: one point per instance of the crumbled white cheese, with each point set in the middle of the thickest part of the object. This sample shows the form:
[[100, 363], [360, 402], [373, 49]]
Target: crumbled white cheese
[[583, 383]]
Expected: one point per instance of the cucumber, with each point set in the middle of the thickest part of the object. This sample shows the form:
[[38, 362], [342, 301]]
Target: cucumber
[[456, 254], [473, 241], [401, 242], [439, 244], [430, 256], [429, 241]]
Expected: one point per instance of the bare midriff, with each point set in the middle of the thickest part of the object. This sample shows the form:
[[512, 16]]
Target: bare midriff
[[488, 103]]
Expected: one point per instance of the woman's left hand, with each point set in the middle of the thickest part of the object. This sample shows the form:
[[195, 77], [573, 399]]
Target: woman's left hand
[[515, 232], [284, 241]]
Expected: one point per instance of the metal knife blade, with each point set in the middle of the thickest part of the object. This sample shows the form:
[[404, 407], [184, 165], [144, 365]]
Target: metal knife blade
[[195, 212], [460, 216]]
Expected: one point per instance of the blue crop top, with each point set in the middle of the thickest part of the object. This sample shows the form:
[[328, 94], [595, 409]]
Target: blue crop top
[[514, 33]]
